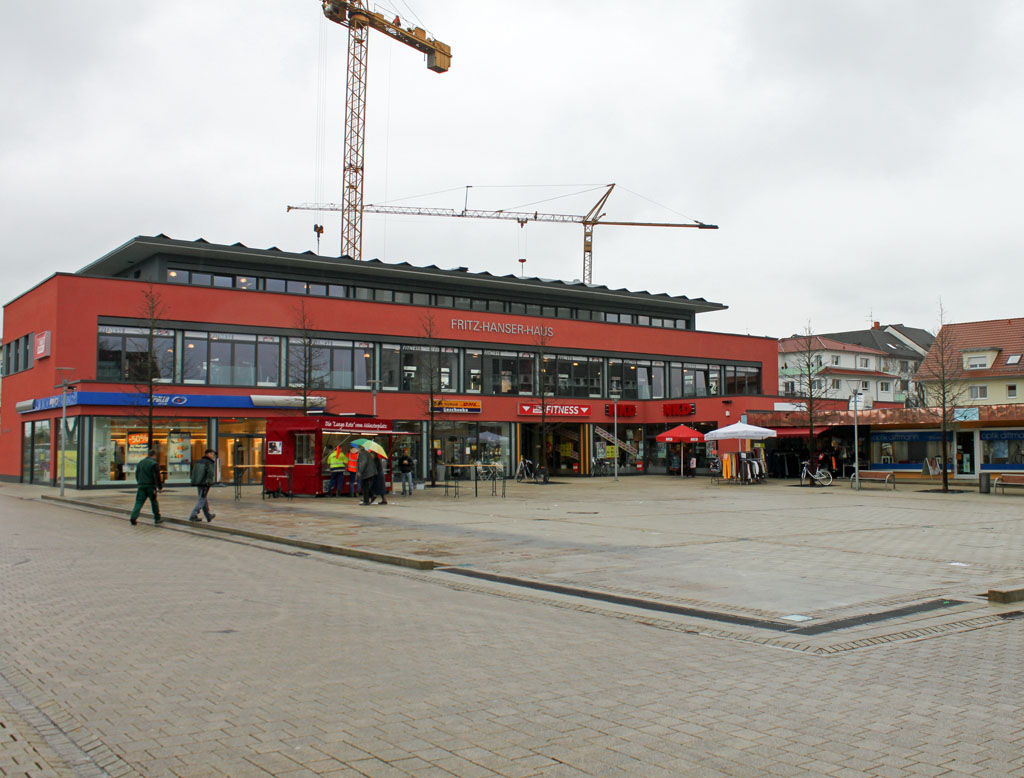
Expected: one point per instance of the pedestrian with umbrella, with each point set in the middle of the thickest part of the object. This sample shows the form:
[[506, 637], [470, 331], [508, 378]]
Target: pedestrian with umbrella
[[366, 470]]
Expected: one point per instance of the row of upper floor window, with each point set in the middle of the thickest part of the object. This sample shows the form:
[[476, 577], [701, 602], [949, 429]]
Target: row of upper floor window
[[131, 354], [316, 289], [884, 364], [17, 355]]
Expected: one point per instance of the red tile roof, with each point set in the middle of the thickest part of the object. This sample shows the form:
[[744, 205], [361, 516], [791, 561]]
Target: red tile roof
[[798, 343], [1003, 335]]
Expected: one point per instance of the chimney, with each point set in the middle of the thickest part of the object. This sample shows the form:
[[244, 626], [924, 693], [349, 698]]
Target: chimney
[[874, 325]]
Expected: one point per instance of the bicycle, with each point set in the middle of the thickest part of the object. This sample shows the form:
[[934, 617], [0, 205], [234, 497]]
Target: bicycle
[[820, 476], [488, 472], [527, 470], [601, 467]]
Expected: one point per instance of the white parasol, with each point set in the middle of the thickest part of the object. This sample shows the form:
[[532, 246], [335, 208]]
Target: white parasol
[[740, 431]]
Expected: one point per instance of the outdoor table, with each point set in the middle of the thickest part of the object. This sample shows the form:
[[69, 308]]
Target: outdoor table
[[288, 468]]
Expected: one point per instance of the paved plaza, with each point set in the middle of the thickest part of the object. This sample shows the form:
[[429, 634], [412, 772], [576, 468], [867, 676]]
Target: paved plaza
[[650, 627]]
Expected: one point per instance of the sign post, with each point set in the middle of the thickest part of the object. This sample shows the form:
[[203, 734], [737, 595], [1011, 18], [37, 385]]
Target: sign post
[[615, 431], [64, 384]]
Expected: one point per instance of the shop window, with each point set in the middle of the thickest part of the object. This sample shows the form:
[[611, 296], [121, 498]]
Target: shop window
[[474, 371], [35, 452], [231, 359], [195, 358], [130, 354], [305, 448], [978, 392]]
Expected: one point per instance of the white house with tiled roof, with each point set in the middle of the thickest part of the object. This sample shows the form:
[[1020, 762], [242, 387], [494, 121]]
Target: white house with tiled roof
[[840, 369]]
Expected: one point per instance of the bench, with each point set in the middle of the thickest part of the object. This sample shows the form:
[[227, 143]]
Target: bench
[[1007, 479], [875, 475]]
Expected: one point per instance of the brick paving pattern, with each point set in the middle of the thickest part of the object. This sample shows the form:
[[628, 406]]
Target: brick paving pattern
[[160, 652]]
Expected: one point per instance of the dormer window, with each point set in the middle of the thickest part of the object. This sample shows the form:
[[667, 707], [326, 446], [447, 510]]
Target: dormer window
[[977, 363]]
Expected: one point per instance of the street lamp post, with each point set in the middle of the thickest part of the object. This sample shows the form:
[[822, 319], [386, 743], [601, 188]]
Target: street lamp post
[[374, 384], [64, 384], [615, 432], [856, 440]]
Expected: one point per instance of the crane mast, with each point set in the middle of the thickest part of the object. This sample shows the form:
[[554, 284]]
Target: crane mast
[[360, 20]]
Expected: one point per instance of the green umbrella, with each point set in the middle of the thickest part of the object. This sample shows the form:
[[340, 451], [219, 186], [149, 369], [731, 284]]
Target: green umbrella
[[359, 441]]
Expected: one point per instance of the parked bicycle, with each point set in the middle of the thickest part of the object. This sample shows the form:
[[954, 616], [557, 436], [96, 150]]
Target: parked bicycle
[[527, 470], [490, 471], [600, 466], [820, 476]]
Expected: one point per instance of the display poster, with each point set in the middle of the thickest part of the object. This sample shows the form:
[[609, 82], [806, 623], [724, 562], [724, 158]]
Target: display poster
[[611, 451], [137, 447], [566, 449], [179, 448], [274, 448]]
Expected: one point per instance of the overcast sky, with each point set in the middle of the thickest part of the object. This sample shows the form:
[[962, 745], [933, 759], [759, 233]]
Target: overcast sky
[[863, 159]]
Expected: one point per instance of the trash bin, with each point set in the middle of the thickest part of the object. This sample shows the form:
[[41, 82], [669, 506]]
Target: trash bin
[[985, 483]]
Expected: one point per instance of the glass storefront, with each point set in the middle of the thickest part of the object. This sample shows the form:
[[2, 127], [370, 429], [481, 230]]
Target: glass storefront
[[907, 449], [120, 443], [628, 448], [470, 442], [562, 446], [241, 445], [1002, 449], [35, 452]]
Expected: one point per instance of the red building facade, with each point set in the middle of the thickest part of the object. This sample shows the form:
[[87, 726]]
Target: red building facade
[[480, 367]]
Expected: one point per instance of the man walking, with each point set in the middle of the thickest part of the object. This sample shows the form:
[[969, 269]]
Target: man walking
[[204, 473], [405, 465], [147, 474], [366, 469]]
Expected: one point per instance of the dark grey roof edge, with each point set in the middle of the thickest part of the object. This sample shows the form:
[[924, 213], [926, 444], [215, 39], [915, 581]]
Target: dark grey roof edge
[[135, 249]]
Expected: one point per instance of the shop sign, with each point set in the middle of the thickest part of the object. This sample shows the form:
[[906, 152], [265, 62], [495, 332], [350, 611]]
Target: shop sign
[[501, 327], [355, 425], [42, 345], [622, 410], [138, 447], [552, 409], [170, 400], [458, 406], [679, 409]]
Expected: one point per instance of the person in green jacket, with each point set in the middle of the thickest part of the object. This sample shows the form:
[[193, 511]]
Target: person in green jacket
[[204, 473], [147, 473]]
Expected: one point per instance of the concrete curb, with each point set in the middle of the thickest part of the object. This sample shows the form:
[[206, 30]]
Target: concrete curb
[[357, 553]]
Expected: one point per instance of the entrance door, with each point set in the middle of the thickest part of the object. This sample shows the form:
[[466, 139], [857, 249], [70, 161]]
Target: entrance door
[[243, 453], [965, 459]]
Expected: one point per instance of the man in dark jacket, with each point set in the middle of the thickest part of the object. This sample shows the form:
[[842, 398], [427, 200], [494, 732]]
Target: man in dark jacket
[[204, 473], [366, 469], [147, 473]]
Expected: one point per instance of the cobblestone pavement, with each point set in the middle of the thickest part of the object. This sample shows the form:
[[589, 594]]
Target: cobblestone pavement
[[161, 652]]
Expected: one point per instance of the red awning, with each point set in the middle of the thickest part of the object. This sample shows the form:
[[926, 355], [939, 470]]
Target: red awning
[[681, 434], [797, 432]]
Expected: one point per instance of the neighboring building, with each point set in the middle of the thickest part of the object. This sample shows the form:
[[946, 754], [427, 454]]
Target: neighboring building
[[235, 318], [989, 362], [904, 348], [839, 369]]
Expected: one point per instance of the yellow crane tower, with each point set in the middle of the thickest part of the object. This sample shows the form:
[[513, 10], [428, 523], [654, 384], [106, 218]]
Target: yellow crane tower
[[359, 19], [589, 220]]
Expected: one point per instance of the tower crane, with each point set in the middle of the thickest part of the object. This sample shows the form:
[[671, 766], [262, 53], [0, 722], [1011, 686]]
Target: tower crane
[[591, 219], [359, 19]]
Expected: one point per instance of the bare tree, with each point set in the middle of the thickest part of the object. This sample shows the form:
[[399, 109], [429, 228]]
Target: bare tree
[[307, 358], [803, 367], [430, 383], [941, 376], [151, 362], [547, 389]]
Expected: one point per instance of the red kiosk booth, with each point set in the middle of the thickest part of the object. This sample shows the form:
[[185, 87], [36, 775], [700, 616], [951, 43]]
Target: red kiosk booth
[[297, 449]]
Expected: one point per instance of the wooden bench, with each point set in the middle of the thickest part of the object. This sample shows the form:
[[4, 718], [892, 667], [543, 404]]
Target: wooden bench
[[875, 475], [1007, 479]]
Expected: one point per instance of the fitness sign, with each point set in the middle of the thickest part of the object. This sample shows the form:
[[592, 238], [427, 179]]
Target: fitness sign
[[552, 409]]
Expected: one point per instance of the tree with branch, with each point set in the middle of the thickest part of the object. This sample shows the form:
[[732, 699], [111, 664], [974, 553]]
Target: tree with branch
[[307, 358], [803, 366], [941, 376], [154, 362], [430, 384]]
